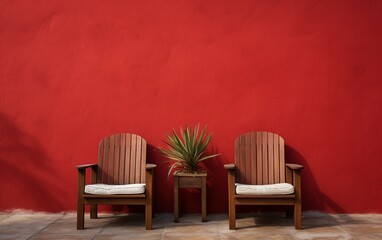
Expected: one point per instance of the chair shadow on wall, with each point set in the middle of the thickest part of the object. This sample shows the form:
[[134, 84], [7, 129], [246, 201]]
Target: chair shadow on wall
[[27, 168], [216, 172], [312, 196]]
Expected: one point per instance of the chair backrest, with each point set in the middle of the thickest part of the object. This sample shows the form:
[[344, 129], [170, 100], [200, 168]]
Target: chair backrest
[[122, 159], [259, 158]]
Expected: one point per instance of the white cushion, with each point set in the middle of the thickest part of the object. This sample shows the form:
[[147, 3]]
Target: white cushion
[[106, 189], [270, 189]]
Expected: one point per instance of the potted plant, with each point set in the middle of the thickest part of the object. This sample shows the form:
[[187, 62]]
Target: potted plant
[[187, 150]]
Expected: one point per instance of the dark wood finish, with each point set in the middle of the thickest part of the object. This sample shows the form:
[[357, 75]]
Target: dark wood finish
[[183, 180], [260, 159], [231, 198], [121, 160], [281, 196], [229, 166]]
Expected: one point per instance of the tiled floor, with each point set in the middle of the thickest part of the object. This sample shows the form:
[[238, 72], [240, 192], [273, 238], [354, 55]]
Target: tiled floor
[[250, 226]]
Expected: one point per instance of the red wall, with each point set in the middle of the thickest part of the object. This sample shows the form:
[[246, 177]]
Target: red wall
[[72, 72]]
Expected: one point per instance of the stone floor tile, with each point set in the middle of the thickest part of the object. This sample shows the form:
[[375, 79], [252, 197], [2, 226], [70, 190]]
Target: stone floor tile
[[368, 237], [14, 236], [195, 237], [4, 216], [342, 219], [131, 231], [238, 236], [373, 218], [249, 226], [331, 232], [62, 237], [102, 218], [161, 220], [371, 228], [122, 237], [191, 230], [132, 225], [216, 217], [187, 230], [67, 224], [26, 224], [192, 218], [319, 222]]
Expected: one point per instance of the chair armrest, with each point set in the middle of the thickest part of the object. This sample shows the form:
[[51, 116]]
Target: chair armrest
[[294, 166], [149, 183], [293, 176], [82, 174], [150, 166], [231, 173], [229, 166], [84, 166]]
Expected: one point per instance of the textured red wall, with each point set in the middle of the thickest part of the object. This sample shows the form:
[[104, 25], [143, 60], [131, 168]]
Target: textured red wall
[[72, 72]]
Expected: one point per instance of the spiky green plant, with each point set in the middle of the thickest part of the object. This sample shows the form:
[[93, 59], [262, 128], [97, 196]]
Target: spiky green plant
[[187, 149]]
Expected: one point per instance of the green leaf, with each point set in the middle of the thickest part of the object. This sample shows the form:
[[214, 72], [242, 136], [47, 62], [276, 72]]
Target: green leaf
[[187, 149]]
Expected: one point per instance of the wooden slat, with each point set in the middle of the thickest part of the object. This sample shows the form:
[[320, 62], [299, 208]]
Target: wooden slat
[[240, 173], [259, 159], [122, 158], [276, 156], [127, 159], [114, 196], [260, 201], [265, 196], [105, 177], [117, 146], [242, 159], [271, 167], [115, 200], [247, 158], [143, 168], [237, 158], [132, 157], [253, 158], [264, 157], [100, 161], [111, 160], [138, 160], [282, 159]]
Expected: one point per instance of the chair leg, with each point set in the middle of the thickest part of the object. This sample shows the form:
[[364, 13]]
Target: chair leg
[[93, 211], [297, 216], [80, 215], [232, 216], [149, 216]]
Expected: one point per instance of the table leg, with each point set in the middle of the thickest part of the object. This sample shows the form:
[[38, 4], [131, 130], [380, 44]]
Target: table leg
[[204, 197], [176, 199]]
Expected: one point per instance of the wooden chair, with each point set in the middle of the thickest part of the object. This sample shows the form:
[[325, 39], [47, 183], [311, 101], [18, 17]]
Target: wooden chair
[[259, 160], [121, 160]]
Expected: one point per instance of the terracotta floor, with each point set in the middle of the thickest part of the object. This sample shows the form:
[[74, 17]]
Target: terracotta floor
[[254, 226]]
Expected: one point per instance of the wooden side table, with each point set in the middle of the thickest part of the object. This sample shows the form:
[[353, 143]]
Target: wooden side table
[[188, 180]]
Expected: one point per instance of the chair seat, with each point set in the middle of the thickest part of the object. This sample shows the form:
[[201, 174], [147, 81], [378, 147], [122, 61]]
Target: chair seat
[[269, 189], [107, 189]]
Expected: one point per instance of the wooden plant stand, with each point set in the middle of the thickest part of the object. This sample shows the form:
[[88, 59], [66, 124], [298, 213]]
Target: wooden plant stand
[[188, 180]]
